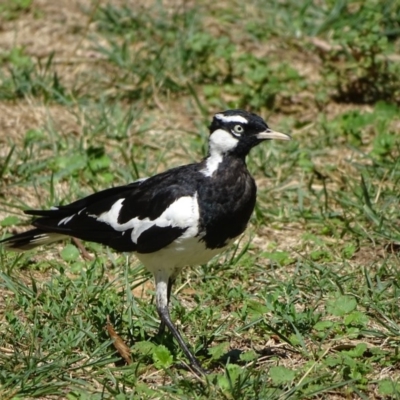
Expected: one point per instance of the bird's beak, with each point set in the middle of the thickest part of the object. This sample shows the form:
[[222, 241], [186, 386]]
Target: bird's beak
[[270, 134]]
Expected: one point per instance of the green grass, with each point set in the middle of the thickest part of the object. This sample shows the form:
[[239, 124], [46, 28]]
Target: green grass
[[306, 304]]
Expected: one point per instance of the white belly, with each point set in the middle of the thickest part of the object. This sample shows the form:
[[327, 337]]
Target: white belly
[[181, 253]]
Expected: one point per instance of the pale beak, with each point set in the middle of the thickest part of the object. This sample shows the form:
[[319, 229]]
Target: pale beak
[[270, 134]]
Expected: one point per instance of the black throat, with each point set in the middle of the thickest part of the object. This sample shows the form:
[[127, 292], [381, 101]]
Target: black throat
[[226, 202]]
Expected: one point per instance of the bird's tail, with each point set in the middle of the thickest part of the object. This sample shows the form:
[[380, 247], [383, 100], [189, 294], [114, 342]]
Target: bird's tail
[[30, 239]]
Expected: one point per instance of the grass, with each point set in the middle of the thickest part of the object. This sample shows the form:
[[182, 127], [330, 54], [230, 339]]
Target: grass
[[305, 305]]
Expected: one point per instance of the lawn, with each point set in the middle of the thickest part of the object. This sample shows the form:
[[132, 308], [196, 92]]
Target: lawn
[[96, 94]]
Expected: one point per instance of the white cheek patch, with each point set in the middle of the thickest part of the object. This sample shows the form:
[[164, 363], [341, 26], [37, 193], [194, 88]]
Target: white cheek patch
[[231, 118], [220, 142]]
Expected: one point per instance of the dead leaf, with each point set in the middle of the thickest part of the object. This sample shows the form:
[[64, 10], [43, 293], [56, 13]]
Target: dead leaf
[[119, 344]]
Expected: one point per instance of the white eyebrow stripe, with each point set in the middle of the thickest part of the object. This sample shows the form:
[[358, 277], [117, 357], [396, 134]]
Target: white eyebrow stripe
[[231, 118]]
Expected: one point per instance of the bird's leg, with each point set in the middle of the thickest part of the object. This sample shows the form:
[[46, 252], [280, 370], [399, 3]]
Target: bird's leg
[[171, 281], [162, 285]]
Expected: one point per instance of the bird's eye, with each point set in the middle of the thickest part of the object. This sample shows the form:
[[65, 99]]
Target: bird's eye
[[238, 129]]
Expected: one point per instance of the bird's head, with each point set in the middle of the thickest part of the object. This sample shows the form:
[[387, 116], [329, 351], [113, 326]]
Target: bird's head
[[236, 132]]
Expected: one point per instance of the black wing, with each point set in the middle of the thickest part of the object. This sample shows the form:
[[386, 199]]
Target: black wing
[[104, 217]]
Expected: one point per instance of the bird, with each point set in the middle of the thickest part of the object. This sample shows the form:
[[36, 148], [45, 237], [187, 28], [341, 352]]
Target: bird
[[175, 219]]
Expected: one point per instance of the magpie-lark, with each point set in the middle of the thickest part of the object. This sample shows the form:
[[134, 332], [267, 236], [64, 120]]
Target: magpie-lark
[[178, 218]]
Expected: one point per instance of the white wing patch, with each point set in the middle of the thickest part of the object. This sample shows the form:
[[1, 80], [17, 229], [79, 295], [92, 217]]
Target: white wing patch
[[110, 217], [231, 118], [45, 238], [140, 180], [183, 213], [34, 241], [66, 220]]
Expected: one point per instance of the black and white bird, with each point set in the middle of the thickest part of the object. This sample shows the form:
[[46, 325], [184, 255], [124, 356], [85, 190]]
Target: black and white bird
[[181, 217]]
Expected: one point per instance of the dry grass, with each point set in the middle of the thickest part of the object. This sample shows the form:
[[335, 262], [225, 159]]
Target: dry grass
[[69, 32]]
